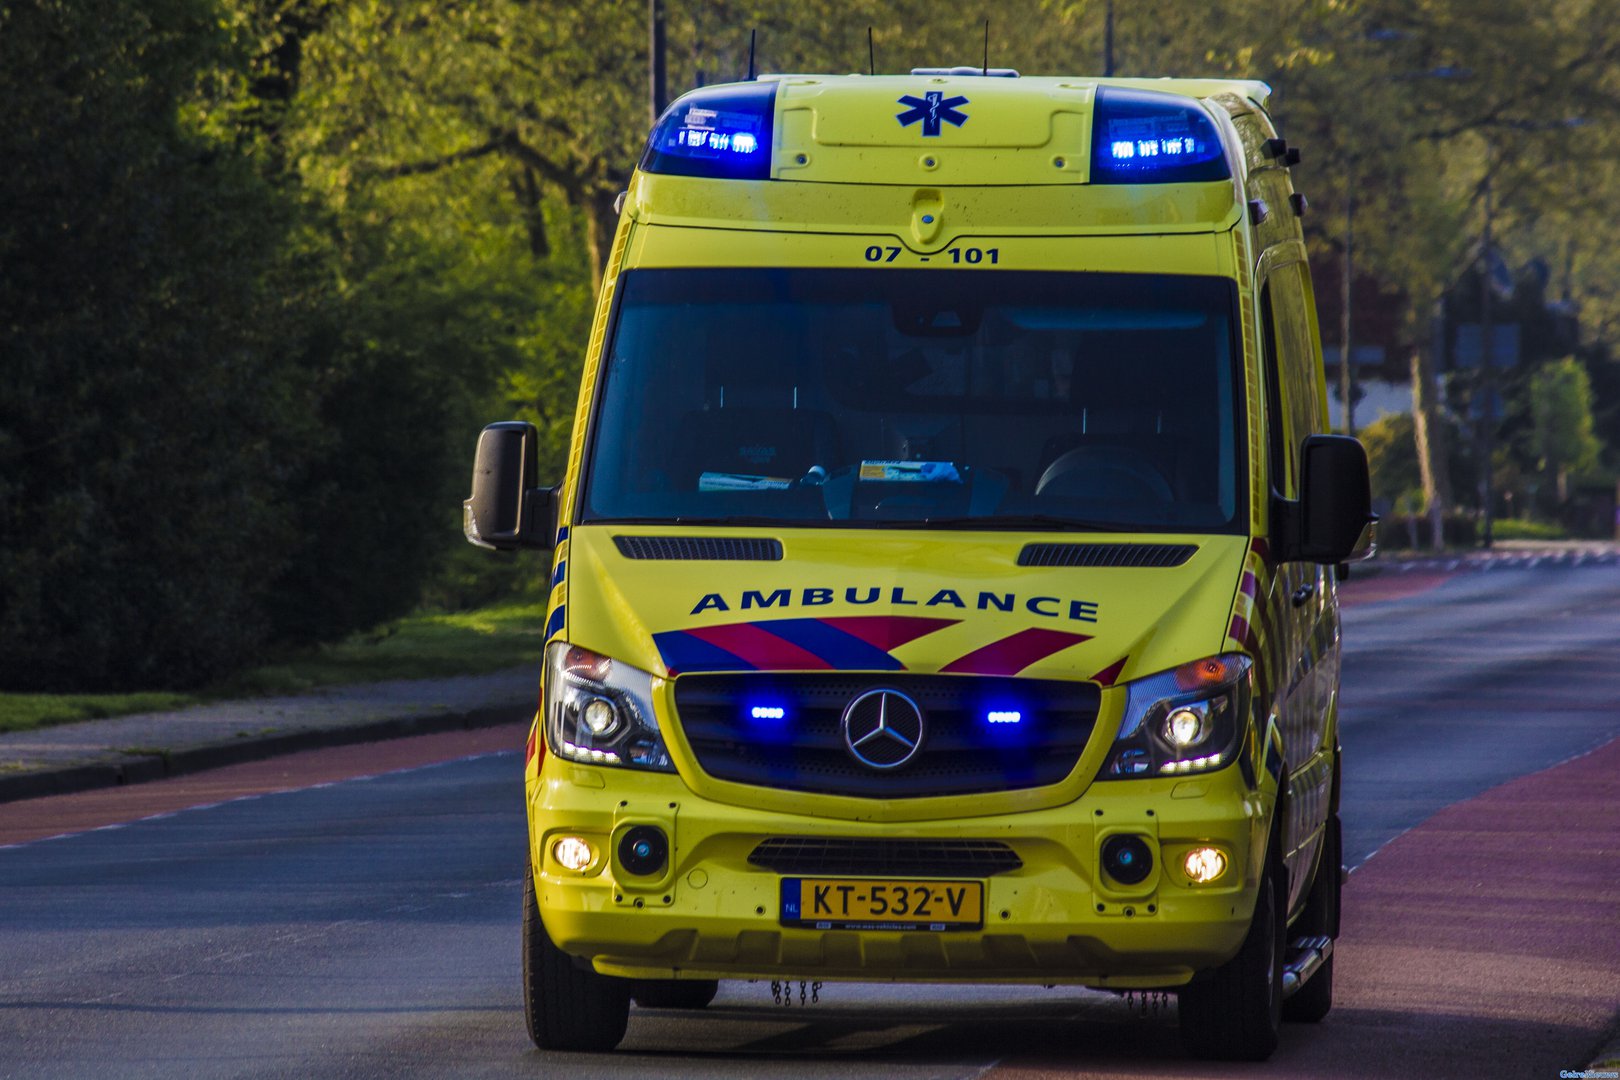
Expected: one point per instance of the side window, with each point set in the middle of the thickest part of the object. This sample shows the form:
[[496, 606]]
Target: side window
[[1293, 369], [1281, 460]]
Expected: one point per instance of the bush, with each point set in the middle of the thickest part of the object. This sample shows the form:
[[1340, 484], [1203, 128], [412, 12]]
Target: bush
[[1523, 529], [149, 418]]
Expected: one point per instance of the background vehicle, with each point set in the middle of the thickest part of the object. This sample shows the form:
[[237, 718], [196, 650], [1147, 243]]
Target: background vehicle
[[942, 578]]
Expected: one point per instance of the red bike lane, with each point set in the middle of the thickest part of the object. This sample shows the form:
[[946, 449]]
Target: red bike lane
[[1484, 943]]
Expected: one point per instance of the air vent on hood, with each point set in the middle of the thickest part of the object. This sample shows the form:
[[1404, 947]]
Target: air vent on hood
[[734, 548], [1146, 555]]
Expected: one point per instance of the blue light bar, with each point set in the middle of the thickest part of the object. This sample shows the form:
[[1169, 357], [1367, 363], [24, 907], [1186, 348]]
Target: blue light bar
[[1150, 137], [723, 132], [1004, 716], [767, 712]]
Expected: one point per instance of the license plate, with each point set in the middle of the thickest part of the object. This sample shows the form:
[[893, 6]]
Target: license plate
[[882, 904]]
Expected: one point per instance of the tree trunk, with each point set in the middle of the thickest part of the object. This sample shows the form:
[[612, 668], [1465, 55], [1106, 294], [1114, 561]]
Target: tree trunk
[[600, 224], [1431, 451]]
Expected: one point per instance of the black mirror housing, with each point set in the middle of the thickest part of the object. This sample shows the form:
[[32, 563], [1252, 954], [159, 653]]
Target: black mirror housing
[[1333, 520], [507, 509]]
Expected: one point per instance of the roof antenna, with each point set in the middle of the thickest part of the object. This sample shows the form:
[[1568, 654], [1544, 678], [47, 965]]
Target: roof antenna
[[751, 71], [871, 53], [987, 46]]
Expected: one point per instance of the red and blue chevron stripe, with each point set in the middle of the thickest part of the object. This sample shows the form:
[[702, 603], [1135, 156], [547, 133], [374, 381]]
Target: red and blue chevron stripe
[[849, 643]]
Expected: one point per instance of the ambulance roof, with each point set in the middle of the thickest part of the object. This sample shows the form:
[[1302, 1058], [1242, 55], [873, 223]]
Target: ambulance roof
[[945, 127]]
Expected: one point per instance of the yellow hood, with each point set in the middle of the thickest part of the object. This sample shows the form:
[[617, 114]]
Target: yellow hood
[[860, 600]]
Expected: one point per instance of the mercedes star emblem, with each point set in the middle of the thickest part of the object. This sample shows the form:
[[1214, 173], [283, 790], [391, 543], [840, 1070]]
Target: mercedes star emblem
[[883, 729]]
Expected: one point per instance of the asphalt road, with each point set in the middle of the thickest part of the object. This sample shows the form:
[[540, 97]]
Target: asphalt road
[[368, 927]]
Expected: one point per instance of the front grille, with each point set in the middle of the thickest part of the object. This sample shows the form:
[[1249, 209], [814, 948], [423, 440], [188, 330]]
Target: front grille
[[961, 752], [728, 548], [1106, 555], [841, 857]]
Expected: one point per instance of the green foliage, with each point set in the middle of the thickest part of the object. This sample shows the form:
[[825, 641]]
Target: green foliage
[[492, 639], [1392, 460], [149, 417], [1524, 529], [1561, 411], [26, 712]]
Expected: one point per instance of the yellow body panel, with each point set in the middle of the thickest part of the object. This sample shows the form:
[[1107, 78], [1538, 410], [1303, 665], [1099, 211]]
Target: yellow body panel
[[843, 186], [713, 915]]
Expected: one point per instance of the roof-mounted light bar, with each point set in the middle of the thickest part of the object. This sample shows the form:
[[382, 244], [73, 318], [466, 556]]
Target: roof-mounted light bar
[[963, 69], [721, 132], [1149, 137]]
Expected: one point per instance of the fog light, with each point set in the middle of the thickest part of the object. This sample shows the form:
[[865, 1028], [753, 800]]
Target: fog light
[[600, 717], [643, 850], [1127, 859], [1204, 865], [573, 853]]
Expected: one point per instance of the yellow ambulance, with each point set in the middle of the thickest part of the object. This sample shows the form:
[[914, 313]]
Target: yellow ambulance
[[943, 574]]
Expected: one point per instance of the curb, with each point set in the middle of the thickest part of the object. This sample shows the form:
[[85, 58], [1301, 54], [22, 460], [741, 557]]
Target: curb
[[201, 756], [1607, 1060]]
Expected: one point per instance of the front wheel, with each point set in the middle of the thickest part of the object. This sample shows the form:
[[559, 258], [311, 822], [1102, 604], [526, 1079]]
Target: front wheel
[[1234, 1014], [567, 1007]]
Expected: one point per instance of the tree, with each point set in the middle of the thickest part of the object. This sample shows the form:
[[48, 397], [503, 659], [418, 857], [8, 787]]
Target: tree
[[149, 419], [1561, 411]]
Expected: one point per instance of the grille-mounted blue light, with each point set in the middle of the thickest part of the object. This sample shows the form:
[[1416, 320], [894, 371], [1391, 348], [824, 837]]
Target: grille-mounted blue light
[[723, 132], [1004, 716], [765, 716], [1150, 137]]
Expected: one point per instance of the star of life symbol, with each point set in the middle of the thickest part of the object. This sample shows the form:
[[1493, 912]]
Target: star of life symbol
[[933, 109]]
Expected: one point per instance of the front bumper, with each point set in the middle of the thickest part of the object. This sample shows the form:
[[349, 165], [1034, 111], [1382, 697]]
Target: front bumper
[[709, 913]]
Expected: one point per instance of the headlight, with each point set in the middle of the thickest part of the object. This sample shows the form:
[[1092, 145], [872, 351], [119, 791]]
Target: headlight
[[599, 711], [1187, 720]]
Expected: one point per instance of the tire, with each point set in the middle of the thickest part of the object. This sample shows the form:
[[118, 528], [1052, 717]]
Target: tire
[[675, 993], [1314, 1000], [1234, 1014], [567, 1007]]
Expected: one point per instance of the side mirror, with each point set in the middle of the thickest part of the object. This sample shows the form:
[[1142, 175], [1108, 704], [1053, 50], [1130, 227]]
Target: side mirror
[[506, 510], [1333, 520]]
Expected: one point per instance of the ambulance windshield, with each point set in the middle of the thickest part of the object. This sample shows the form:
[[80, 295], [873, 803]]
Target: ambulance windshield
[[924, 398]]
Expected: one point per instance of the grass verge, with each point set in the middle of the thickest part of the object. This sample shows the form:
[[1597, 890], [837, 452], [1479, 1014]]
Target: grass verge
[[415, 647]]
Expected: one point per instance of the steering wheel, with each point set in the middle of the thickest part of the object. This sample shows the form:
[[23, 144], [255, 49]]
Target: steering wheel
[[1105, 474]]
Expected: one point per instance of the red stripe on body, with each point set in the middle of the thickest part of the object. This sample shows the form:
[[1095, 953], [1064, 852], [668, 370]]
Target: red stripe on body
[[888, 632], [759, 647], [1239, 630], [1108, 674], [1014, 653], [1243, 633]]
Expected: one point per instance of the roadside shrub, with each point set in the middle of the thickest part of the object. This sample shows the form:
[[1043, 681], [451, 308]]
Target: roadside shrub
[[1523, 529], [148, 418]]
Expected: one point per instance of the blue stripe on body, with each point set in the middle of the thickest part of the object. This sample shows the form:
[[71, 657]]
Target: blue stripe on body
[[843, 651], [682, 652], [561, 573], [555, 623]]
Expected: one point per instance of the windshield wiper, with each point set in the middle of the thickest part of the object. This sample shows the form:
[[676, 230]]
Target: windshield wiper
[[1034, 522], [747, 520]]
